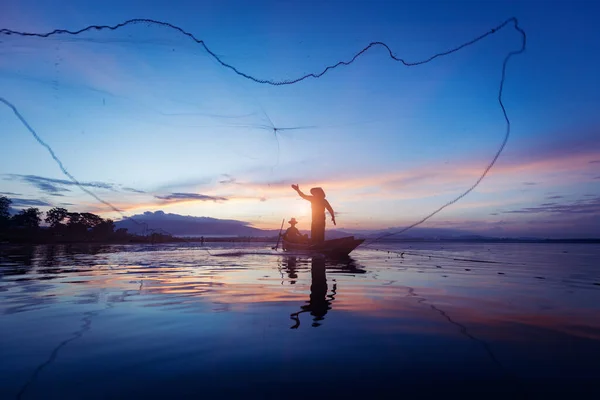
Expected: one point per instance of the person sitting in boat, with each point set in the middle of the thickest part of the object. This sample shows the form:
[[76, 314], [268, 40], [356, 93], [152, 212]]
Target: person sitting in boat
[[292, 234], [318, 205]]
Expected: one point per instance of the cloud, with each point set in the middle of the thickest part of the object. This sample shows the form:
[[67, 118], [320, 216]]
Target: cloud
[[187, 183], [550, 164], [9, 194], [553, 166], [46, 187], [128, 189], [29, 203], [584, 206], [435, 179], [595, 162], [230, 179], [190, 196], [56, 187]]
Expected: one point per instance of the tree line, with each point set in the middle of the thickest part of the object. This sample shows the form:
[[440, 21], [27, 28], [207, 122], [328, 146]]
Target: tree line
[[63, 226]]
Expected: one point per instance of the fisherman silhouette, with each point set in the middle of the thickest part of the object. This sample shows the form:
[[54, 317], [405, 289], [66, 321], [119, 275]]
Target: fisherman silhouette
[[318, 205], [292, 234], [319, 302]]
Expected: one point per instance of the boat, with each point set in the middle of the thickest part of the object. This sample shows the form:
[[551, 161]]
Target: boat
[[334, 248]]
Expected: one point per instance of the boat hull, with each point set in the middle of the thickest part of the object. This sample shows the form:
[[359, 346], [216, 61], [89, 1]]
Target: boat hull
[[334, 248]]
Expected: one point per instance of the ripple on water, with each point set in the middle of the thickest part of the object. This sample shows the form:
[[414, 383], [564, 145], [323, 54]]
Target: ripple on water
[[446, 309]]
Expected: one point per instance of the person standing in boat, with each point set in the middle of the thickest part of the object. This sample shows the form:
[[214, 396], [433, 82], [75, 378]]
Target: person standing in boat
[[318, 205]]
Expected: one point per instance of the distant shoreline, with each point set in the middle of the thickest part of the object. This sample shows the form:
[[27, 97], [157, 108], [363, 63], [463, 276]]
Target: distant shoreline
[[241, 239], [411, 240], [492, 240]]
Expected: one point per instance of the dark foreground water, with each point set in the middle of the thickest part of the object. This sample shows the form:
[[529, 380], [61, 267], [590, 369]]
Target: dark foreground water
[[172, 321]]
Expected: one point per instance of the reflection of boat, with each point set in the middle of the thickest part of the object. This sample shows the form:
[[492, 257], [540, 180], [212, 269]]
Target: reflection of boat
[[334, 247]]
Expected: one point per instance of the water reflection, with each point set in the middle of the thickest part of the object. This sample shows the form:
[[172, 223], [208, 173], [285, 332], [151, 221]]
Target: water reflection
[[86, 325], [320, 302], [20, 260], [181, 313], [290, 264]]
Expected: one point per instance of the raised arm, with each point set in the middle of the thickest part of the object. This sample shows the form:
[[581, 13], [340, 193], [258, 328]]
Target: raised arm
[[328, 207], [297, 189]]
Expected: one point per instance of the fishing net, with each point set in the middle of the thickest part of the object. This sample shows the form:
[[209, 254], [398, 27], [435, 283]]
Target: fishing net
[[145, 116]]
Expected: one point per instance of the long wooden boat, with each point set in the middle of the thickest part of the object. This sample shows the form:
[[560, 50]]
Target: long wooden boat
[[335, 247]]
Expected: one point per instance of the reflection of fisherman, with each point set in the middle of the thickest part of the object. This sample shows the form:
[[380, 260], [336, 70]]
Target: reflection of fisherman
[[318, 205], [319, 302], [290, 265], [292, 234]]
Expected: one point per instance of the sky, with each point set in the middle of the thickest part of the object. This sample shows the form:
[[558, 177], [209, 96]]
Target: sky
[[147, 120]]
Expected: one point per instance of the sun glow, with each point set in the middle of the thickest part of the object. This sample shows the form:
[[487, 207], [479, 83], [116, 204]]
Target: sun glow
[[301, 211]]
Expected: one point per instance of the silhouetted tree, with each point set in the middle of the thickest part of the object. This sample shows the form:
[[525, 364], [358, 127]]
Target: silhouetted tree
[[104, 229], [4, 214], [90, 220], [87, 220], [81, 225], [29, 218], [4, 206], [75, 226], [74, 218], [56, 216], [65, 226]]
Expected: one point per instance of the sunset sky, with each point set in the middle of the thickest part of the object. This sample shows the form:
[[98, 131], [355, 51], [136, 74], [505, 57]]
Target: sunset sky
[[147, 120]]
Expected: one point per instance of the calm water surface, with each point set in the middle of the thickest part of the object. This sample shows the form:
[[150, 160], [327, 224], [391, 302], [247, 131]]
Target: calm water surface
[[244, 321]]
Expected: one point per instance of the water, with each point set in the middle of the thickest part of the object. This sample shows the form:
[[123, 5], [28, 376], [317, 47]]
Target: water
[[173, 321]]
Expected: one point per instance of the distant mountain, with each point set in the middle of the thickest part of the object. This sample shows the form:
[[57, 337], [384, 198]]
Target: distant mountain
[[186, 225], [414, 233]]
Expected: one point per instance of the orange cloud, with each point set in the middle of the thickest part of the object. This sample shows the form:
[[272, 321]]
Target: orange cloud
[[436, 179], [549, 168]]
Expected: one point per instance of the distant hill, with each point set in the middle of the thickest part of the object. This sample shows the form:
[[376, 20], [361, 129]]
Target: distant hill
[[185, 225], [414, 233]]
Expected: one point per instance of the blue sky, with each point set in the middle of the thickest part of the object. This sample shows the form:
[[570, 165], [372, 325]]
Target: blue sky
[[142, 113]]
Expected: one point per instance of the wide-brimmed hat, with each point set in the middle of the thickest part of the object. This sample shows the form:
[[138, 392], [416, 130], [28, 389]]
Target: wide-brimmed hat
[[292, 221], [317, 191]]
